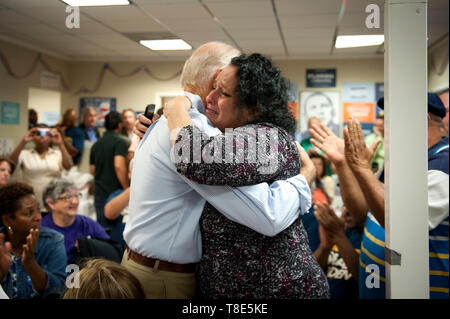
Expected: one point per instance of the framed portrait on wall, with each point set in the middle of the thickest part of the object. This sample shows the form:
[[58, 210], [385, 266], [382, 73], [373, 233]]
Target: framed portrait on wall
[[324, 105], [103, 105]]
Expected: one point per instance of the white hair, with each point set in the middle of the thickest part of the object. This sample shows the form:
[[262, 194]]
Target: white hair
[[201, 66]]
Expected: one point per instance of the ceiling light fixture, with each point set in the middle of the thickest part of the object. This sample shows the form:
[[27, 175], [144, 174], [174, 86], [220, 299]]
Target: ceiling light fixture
[[354, 41], [162, 45], [94, 3]]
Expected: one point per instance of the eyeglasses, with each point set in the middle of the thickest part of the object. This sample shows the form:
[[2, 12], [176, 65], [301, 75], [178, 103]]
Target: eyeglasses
[[69, 197]]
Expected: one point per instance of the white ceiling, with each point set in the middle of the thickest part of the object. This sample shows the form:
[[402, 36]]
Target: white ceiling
[[308, 27]]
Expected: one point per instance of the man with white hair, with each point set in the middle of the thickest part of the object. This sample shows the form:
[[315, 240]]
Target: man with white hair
[[163, 231]]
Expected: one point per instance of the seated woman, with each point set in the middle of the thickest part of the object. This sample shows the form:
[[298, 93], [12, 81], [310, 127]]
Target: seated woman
[[61, 198], [249, 96], [33, 260], [7, 167], [44, 162], [116, 210]]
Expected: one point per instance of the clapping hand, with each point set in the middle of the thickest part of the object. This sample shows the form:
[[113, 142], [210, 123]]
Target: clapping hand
[[331, 223], [357, 154], [325, 140], [29, 248]]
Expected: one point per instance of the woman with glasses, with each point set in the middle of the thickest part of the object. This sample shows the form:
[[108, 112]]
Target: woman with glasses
[[61, 198]]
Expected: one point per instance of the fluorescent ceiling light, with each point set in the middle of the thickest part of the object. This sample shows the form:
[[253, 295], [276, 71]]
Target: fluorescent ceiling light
[[93, 3], [353, 41], [159, 45]]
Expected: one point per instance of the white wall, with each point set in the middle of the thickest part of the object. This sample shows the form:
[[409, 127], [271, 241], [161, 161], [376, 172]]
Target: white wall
[[16, 90], [44, 101]]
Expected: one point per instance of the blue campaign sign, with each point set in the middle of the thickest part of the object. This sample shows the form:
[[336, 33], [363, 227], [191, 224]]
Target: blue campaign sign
[[320, 78], [10, 112]]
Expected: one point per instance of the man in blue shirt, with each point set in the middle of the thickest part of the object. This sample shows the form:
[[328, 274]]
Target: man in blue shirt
[[73, 136], [162, 232], [90, 131]]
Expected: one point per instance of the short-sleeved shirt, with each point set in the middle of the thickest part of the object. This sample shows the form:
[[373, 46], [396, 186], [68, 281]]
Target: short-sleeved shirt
[[77, 136], [102, 156], [38, 170], [82, 227]]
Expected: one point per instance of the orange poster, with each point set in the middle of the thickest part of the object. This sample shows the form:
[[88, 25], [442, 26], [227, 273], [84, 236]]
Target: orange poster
[[363, 111], [293, 107]]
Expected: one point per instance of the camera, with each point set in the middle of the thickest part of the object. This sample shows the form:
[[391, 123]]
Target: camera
[[43, 132]]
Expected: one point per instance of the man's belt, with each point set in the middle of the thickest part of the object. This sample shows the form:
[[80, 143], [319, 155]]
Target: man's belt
[[163, 265]]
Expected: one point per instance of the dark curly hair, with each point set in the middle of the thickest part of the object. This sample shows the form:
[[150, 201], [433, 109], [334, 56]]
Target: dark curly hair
[[10, 196], [263, 90]]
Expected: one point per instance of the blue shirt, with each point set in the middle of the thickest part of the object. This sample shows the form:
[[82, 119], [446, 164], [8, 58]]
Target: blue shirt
[[438, 194], [91, 134], [372, 265], [77, 136], [165, 207], [342, 284], [50, 255], [82, 227]]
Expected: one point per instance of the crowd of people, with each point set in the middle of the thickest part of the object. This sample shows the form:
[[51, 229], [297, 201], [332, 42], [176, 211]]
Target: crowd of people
[[213, 200]]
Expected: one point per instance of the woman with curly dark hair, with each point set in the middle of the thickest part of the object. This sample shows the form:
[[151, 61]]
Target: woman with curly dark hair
[[32, 258], [249, 104]]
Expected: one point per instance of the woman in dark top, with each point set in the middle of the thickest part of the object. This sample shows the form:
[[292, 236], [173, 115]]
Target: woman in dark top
[[249, 96]]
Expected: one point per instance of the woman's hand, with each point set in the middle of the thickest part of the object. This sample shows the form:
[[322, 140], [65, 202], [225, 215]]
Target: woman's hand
[[29, 135], [5, 257], [56, 137], [176, 105], [29, 248], [307, 168], [325, 140], [357, 154], [327, 218]]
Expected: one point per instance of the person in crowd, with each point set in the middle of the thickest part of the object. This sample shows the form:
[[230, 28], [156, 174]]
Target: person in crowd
[[61, 198], [159, 196], [73, 136], [7, 167], [32, 258], [128, 121], [32, 118], [108, 165], [368, 195], [44, 162], [238, 102], [116, 209], [444, 128], [377, 160], [338, 251], [305, 143], [90, 131], [105, 279], [323, 188]]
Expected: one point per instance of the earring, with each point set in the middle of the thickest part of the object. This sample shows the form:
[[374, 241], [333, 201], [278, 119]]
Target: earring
[[10, 230]]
